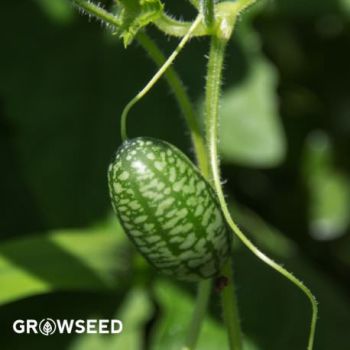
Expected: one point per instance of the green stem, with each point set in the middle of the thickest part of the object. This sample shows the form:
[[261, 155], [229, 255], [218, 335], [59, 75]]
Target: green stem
[[212, 102], [214, 77], [98, 12], [230, 309], [203, 295], [207, 9], [156, 76], [181, 96], [174, 27]]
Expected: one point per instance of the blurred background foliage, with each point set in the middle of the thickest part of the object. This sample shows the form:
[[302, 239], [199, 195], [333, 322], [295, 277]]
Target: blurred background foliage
[[285, 145]]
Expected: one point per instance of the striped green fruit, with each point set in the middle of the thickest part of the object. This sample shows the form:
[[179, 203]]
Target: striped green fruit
[[167, 208]]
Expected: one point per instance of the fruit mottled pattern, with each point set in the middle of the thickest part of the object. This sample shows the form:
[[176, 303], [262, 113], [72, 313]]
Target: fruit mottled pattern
[[168, 209]]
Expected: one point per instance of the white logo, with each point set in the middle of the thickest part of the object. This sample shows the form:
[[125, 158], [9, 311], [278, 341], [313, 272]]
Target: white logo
[[48, 326]]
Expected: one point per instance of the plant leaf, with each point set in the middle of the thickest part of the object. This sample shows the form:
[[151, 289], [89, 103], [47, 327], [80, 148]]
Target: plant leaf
[[135, 312], [62, 260], [329, 190], [59, 11], [250, 129], [136, 14]]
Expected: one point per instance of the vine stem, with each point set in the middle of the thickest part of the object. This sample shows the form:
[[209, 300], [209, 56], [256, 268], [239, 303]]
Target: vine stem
[[212, 113], [214, 78], [200, 309], [230, 309], [92, 9], [207, 8], [178, 28], [181, 96], [157, 76]]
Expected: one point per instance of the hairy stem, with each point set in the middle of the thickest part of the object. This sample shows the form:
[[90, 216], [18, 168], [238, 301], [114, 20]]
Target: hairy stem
[[181, 96], [207, 9], [214, 77], [230, 309], [203, 295], [92, 9], [156, 76], [174, 27], [213, 90]]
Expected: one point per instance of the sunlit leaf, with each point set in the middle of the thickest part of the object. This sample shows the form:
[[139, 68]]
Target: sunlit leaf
[[329, 190], [250, 129], [60, 11], [346, 5], [91, 259]]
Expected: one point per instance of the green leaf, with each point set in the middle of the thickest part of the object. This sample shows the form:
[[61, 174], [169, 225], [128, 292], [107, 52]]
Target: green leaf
[[60, 11], [136, 14], [134, 314], [90, 259], [346, 6], [177, 307], [329, 190], [250, 129], [136, 311]]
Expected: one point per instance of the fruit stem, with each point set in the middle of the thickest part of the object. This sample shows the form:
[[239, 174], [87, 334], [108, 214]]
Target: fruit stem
[[203, 294], [186, 107], [230, 308]]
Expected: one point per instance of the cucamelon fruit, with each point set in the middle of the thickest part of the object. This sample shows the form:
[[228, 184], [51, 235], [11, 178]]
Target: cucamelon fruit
[[167, 208]]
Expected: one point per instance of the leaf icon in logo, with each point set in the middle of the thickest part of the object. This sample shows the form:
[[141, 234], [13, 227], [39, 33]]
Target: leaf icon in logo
[[47, 328]]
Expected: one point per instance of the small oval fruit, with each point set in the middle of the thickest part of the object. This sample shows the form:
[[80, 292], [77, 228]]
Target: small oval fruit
[[167, 208]]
